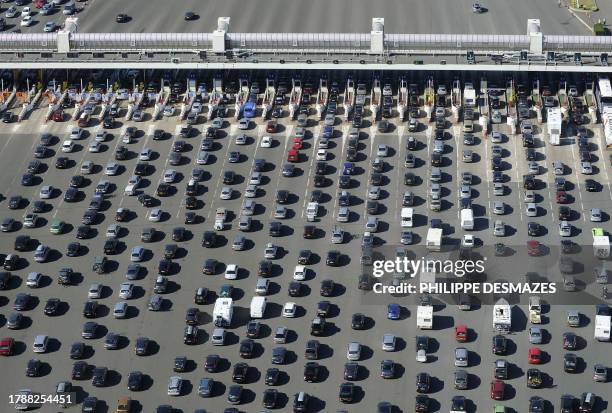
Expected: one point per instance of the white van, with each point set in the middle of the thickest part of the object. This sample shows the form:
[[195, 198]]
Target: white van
[[258, 307], [130, 189], [467, 219], [407, 217]]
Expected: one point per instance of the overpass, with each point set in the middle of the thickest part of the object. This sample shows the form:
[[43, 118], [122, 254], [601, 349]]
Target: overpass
[[376, 50]]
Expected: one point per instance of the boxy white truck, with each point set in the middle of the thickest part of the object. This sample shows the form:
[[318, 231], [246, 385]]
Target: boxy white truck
[[601, 246], [502, 316], [434, 239], [223, 312], [535, 310], [602, 322], [425, 317], [258, 307], [554, 122], [467, 219]]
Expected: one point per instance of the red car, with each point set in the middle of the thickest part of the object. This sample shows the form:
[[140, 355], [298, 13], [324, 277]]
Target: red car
[[58, 115], [561, 197], [6, 346], [271, 126], [40, 3], [293, 155], [534, 355], [461, 333], [497, 390], [533, 247], [297, 143]]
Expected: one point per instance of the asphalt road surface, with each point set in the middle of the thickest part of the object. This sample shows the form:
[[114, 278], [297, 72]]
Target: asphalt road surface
[[166, 327]]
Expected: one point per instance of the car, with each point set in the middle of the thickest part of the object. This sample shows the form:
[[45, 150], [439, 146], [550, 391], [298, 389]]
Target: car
[[289, 310], [387, 369], [591, 185], [534, 355], [567, 404], [175, 386], [570, 362], [600, 373], [535, 335], [33, 279], [499, 345]]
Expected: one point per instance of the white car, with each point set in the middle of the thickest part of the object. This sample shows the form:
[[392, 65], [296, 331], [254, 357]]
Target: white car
[[111, 169], [67, 146], [169, 176], [531, 210], [243, 124], [33, 279], [145, 154], [587, 168], [321, 155], [255, 178], [95, 147], [499, 208], [266, 142], [76, 133], [565, 229], [596, 215], [226, 193], [26, 11], [101, 136], [250, 191], [289, 310], [382, 150], [95, 291], [231, 272], [45, 192], [280, 212], [299, 273], [270, 251], [126, 290], [113, 231], [27, 21], [155, 215], [468, 241]]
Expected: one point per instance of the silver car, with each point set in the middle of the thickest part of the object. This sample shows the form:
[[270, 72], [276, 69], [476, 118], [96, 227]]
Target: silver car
[[499, 229], [343, 214], [388, 342], [243, 124], [535, 335]]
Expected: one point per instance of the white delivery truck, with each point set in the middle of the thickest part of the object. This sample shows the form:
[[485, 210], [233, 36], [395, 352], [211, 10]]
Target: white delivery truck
[[467, 219], [434, 239], [469, 96], [601, 246], [425, 317], [258, 307], [602, 322], [502, 316], [312, 211], [554, 122], [223, 312], [407, 217], [535, 310]]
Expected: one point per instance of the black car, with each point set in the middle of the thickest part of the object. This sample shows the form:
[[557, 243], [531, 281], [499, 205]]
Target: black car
[[211, 363], [333, 258], [209, 239], [327, 288], [99, 376], [83, 232], [304, 257], [309, 231], [324, 307], [499, 345], [570, 362], [234, 395], [533, 229], [410, 178], [320, 168], [422, 343], [295, 289], [530, 154], [253, 329], [316, 195], [15, 202], [27, 179], [77, 350], [358, 321], [564, 213], [142, 168], [142, 346], [62, 162], [311, 372], [423, 381], [180, 364], [165, 266], [210, 266], [271, 378], [190, 16], [7, 117], [79, 370], [190, 218], [146, 200], [40, 151], [376, 179], [351, 155], [344, 181], [591, 185], [111, 246], [33, 368], [570, 341], [90, 309], [264, 268], [89, 217], [52, 306], [228, 177], [163, 189], [282, 196], [270, 398], [22, 243], [240, 373], [121, 153], [10, 262], [247, 347], [108, 122], [135, 380]]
